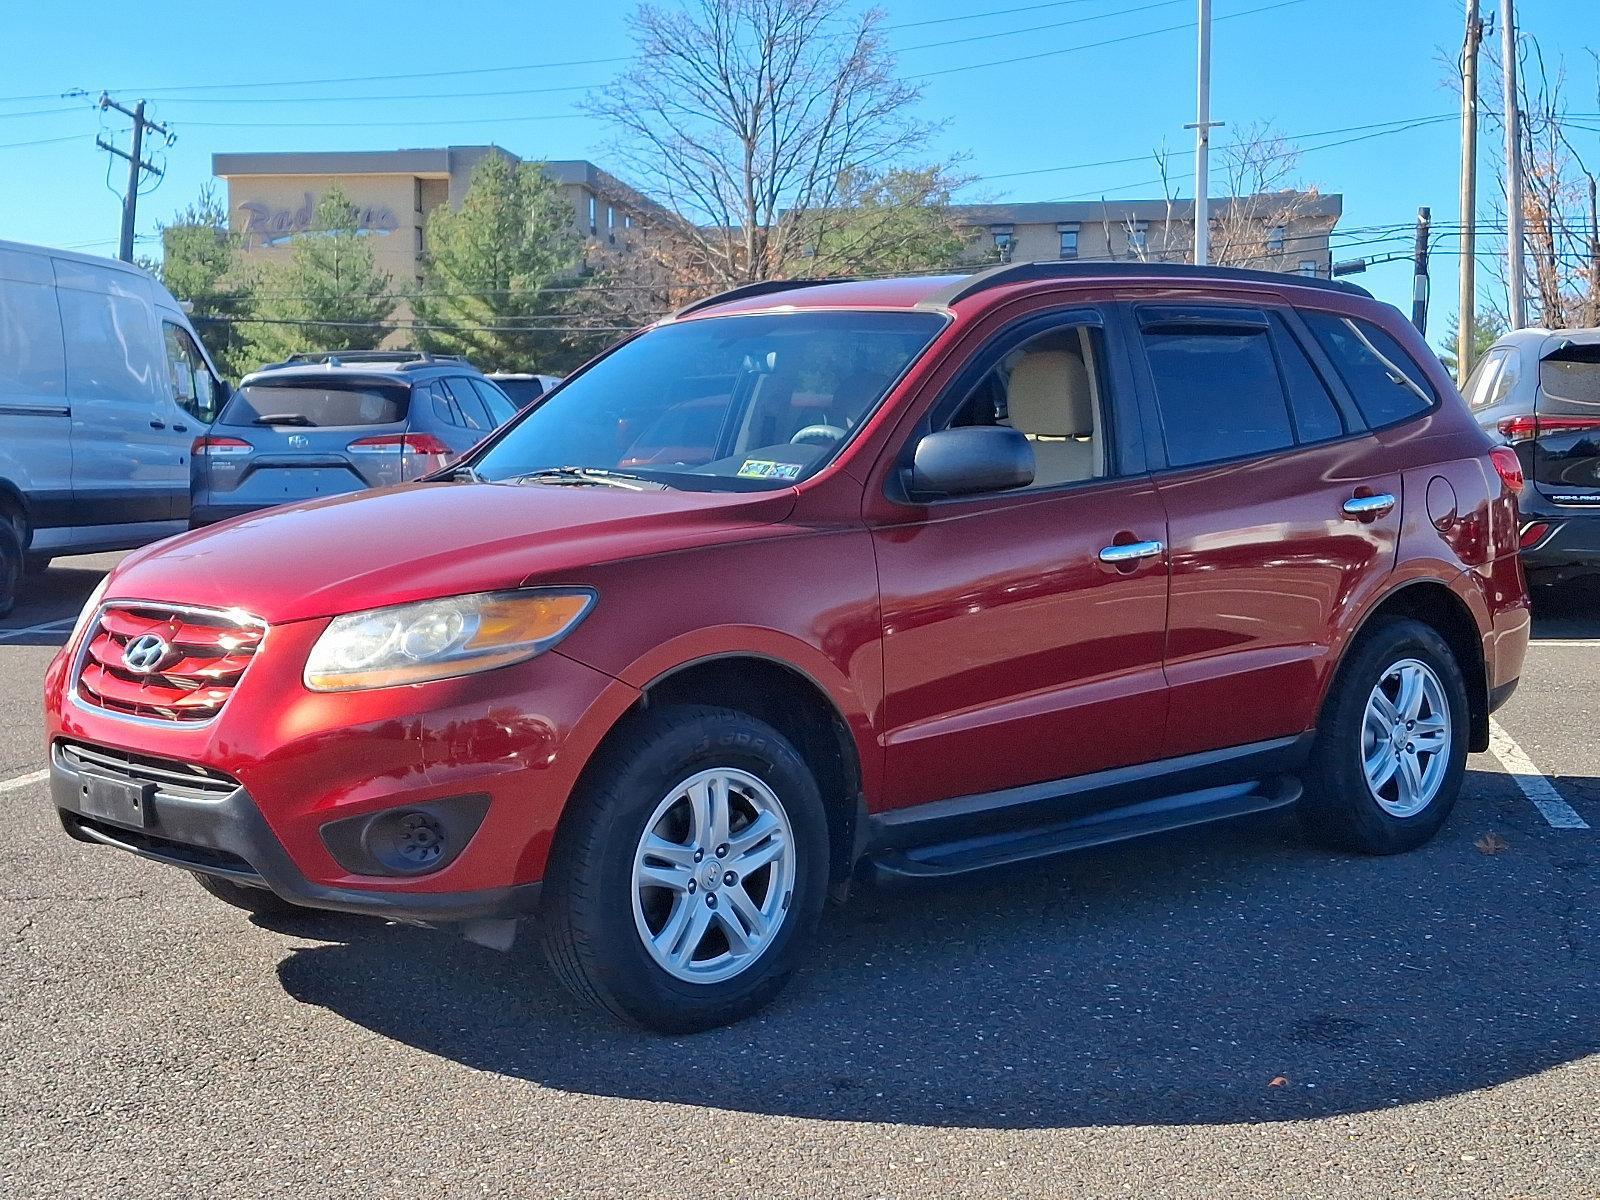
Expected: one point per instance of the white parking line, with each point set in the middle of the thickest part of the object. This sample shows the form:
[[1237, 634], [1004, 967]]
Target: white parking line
[[1563, 642], [46, 627], [21, 781], [1556, 811]]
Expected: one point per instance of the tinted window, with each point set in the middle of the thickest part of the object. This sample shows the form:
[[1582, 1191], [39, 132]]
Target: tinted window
[[1572, 375], [315, 403], [1480, 384], [1316, 416], [477, 417], [443, 407], [1218, 392], [497, 402], [764, 399], [1387, 383]]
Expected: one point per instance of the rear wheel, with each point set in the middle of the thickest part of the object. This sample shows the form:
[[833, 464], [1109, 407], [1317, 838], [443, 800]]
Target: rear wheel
[[1391, 750], [261, 901], [689, 875], [10, 563]]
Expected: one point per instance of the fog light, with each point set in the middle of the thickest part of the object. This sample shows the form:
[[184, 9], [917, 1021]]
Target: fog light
[[411, 840]]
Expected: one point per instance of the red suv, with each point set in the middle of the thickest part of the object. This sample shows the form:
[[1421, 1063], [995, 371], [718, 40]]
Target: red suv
[[909, 578]]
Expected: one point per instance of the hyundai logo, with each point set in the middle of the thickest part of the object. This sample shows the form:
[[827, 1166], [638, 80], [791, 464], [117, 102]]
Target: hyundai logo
[[145, 653]]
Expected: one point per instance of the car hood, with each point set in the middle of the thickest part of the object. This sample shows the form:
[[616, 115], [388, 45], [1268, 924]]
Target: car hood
[[418, 541]]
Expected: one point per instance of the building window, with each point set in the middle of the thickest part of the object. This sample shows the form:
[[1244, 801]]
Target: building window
[[1138, 239], [416, 186], [627, 220], [1308, 266], [419, 239], [1069, 240], [1004, 242], [594, 215], [611, 224], [1275, 237]]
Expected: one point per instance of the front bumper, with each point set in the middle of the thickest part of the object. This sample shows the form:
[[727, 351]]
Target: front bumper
[[227, 836]]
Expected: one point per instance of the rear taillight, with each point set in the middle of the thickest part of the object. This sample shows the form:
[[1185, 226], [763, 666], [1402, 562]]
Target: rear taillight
[[211, 446], [399, 443], [1532, 532], [1520, 429], [1508, 466]]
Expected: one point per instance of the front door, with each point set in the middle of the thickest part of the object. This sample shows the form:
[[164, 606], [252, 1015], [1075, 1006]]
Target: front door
[[1022, 630], [1282, 515]]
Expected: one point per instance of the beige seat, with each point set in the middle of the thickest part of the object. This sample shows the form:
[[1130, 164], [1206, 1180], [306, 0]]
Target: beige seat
[[1051, 399]]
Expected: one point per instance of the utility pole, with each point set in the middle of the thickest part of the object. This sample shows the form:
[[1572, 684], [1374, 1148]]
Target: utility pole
[[1515, 286], [136, 166], [1594, 255], [1419, 281], [1467, 318], [1202, 141]]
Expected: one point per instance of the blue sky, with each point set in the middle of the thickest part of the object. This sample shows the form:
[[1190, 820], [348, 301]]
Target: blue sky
[[1306, 66]]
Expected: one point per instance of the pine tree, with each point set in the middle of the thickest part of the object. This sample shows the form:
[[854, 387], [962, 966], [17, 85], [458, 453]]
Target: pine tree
[[201, 264], [329, 295], [490, 267]]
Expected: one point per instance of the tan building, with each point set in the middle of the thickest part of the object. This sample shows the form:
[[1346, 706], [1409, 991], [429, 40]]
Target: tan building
[[1286, 231], [271, 198]]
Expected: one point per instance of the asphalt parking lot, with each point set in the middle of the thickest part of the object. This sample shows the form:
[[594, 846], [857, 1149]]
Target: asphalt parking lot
[[1225, 1012]]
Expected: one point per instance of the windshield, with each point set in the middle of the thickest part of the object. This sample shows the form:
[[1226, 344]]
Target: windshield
[[722, 403], [315, 403]]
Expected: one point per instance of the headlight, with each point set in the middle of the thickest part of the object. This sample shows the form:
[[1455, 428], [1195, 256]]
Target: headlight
[[89, 606], [437, 639]]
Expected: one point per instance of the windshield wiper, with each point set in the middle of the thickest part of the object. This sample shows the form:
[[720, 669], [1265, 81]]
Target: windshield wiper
[[463, 471], [590, 476], [284, 419]]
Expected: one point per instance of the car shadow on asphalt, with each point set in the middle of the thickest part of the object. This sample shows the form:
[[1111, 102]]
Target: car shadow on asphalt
[[53, 597], [1569, 611], [1228, 974]]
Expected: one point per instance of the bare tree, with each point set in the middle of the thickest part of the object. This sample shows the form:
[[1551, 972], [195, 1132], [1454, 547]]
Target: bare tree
[[762, 126]]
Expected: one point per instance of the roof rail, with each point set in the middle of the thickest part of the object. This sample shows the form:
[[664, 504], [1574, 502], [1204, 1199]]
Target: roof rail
[[746, 290], [1022, 272], [334, 358]]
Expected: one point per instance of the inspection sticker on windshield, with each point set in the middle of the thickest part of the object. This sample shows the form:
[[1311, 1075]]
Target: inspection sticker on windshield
[[760, 468]]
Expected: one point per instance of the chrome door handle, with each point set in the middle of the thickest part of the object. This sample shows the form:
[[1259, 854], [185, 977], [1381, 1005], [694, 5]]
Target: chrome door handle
[[1368, 506], [1131, 552]]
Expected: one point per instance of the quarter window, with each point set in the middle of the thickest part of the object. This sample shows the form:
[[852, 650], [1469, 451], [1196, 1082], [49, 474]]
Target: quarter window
[[472, 409], [1316, 416], [1387, 383]]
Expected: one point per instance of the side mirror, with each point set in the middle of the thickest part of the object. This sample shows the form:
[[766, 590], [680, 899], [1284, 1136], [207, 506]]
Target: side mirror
[[973, 458]]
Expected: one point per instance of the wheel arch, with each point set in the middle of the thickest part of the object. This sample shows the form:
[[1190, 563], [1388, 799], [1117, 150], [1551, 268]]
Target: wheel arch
[[792, 701], [1439, 606], [12, 500]]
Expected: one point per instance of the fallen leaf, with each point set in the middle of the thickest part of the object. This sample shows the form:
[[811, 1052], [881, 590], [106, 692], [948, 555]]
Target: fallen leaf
[[1491, 843], [1278, 1081]]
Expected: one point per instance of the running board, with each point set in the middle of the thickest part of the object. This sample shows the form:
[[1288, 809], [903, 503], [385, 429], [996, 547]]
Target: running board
[[941, 860]]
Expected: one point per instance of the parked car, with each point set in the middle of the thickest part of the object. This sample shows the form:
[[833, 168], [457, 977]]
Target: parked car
[[103, 384], [1538, 392], [327, 424], [923, 576], [523, 389]]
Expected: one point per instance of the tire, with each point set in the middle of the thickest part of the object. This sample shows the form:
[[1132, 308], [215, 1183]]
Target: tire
[[260, 901], [10, 564], [34, 565], [1341, 807], [601, 914]]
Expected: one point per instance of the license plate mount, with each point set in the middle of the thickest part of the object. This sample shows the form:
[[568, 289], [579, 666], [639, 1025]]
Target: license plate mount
[[120, 801]]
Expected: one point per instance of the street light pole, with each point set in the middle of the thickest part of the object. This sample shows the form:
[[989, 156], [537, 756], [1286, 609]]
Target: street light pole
[[1466, 319]]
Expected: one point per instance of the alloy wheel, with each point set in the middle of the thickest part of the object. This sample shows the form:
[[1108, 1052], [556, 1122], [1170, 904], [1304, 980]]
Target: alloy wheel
[[1405, 738]]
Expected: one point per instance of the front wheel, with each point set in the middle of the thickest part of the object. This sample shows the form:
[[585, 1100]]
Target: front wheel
[[1391, 749], [690, 872], [10, 563]]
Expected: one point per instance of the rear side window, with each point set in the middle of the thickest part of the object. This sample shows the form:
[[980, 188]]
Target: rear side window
[[1480, 387], [1316, 416], [472, 409], [1218, 392], [500, 407], [1387, 383], [315, 403]]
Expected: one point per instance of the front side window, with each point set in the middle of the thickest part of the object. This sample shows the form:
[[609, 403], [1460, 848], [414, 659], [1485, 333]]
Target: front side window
[[1386, 382], [1049, 388], [719, 403], [193, 385], [1218, 391]]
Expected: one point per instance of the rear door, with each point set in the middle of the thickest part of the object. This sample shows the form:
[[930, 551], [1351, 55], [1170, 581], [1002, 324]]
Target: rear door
[[1566, 449], [1262, 457], [310, 436], [35, 421]]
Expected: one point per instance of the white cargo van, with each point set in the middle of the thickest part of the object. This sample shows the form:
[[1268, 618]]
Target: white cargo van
[[103, 389]]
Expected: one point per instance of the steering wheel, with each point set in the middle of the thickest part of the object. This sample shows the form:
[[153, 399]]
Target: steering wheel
[[818, 435]]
